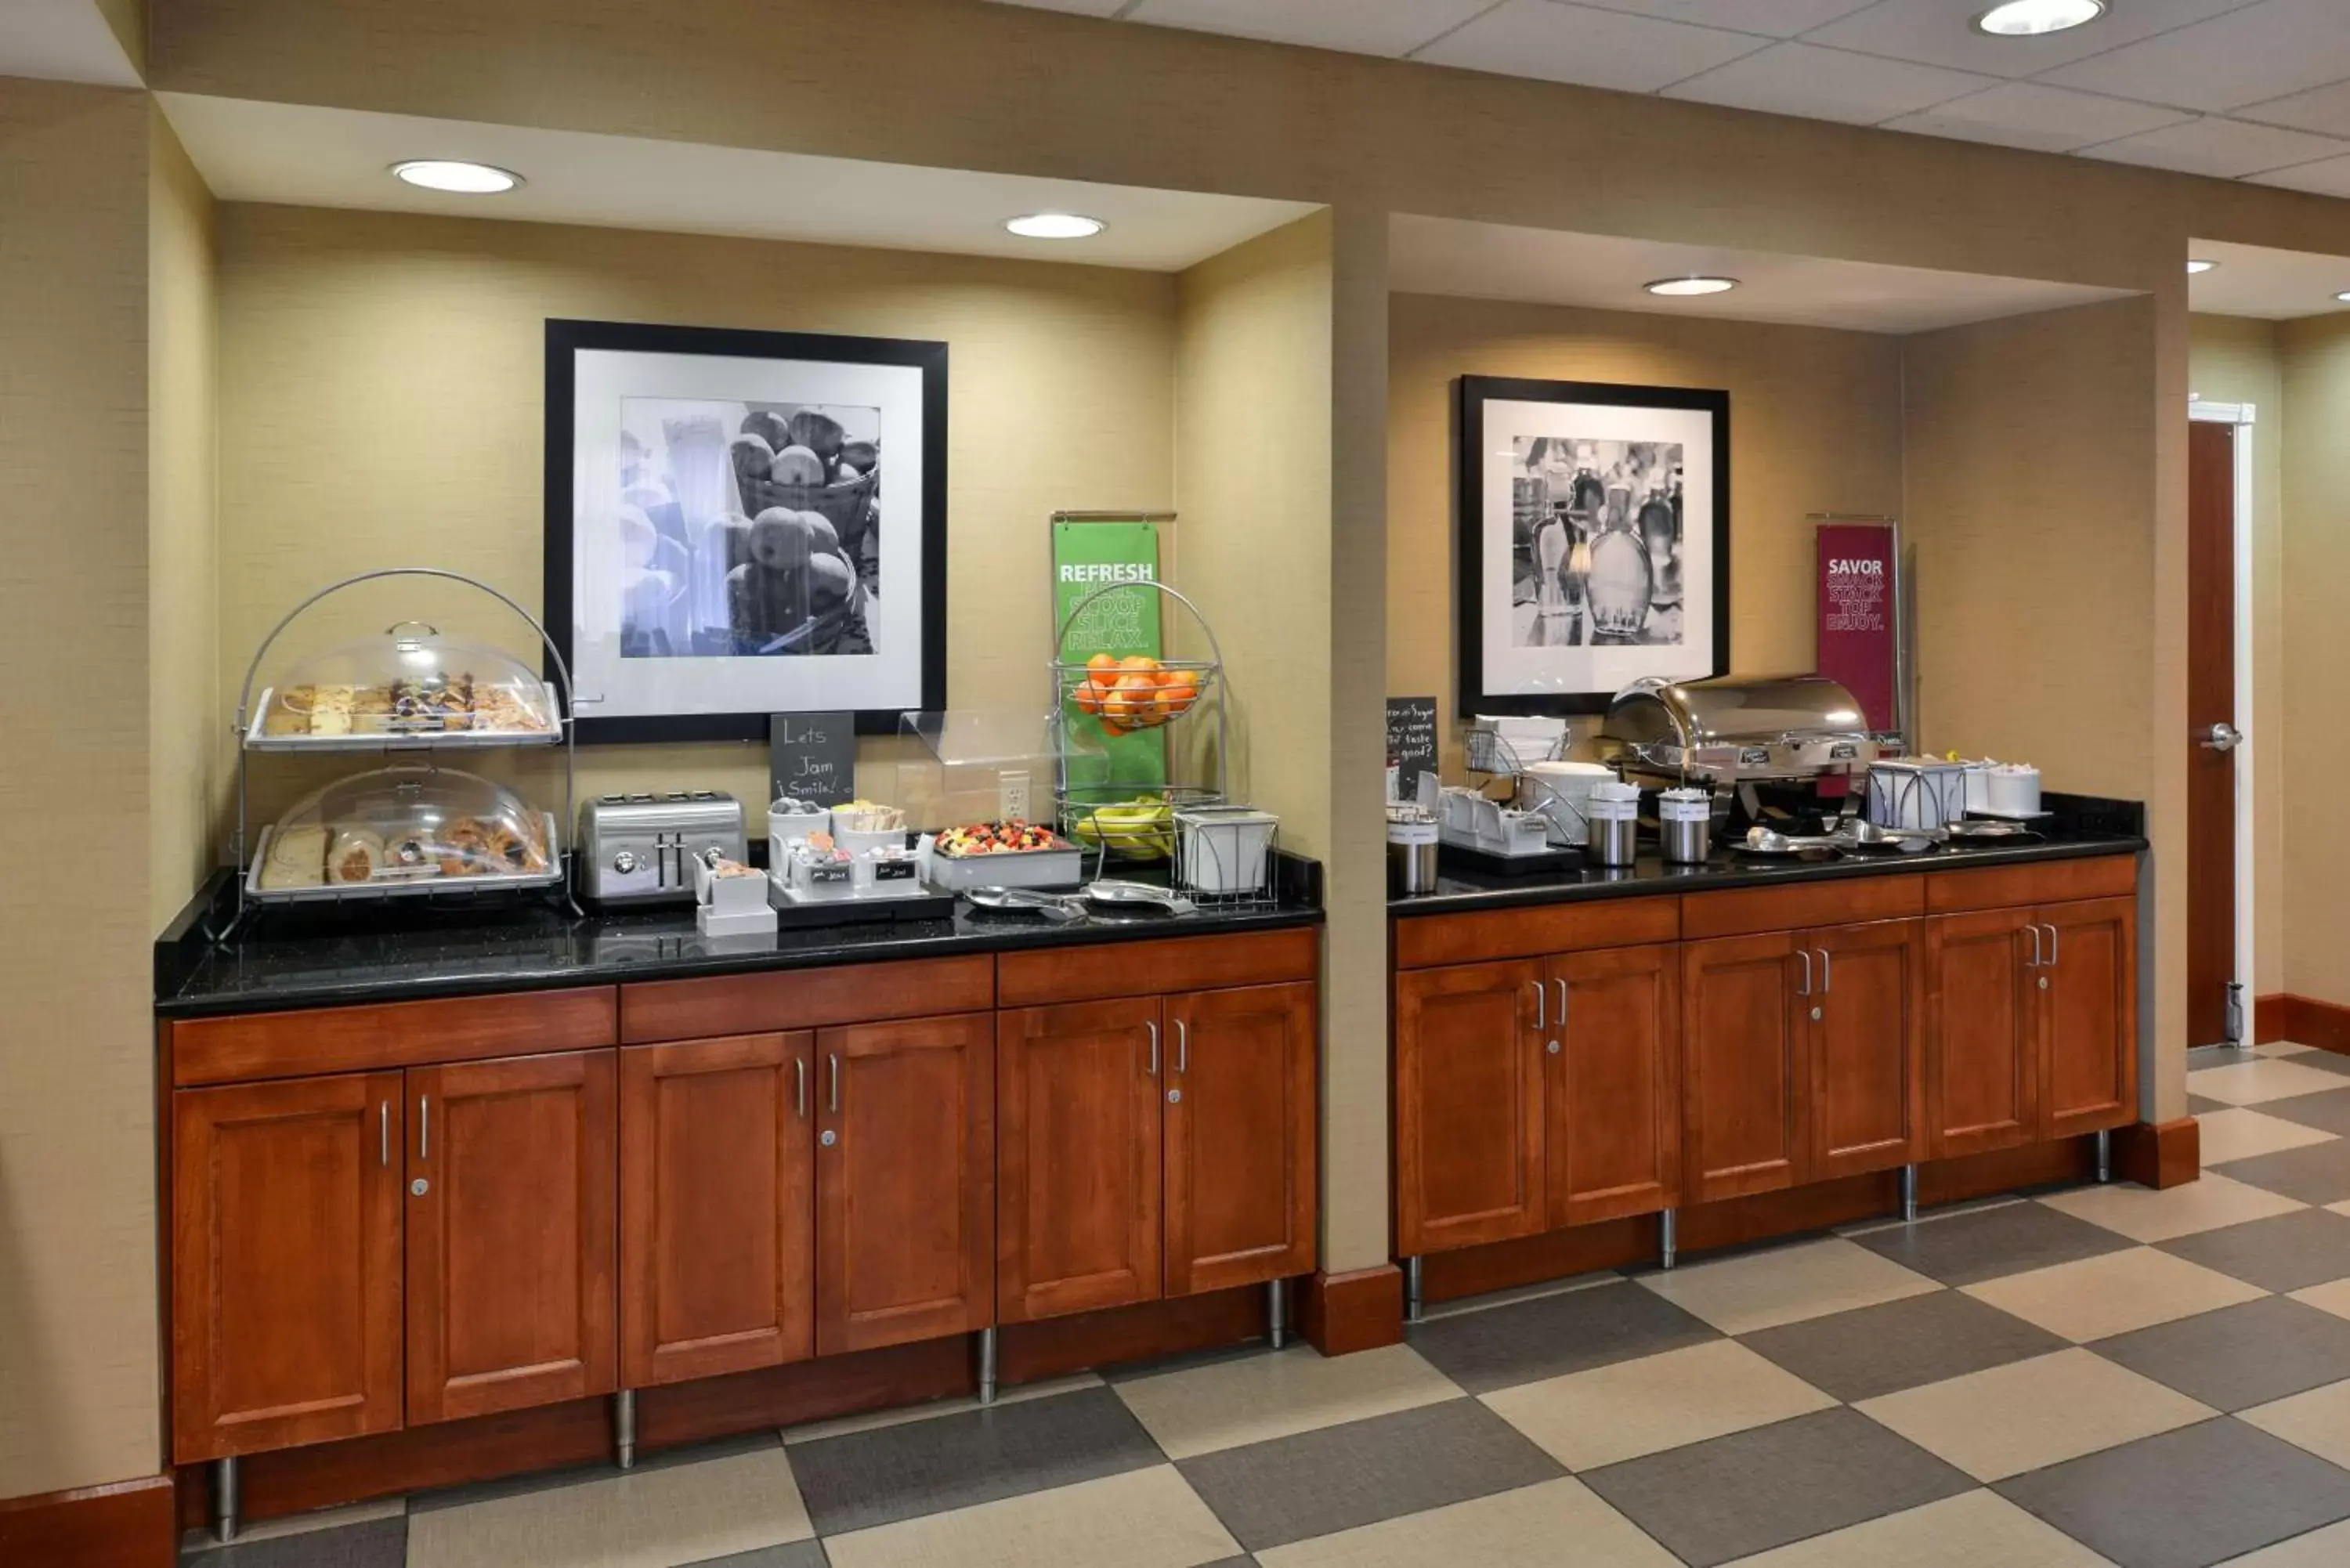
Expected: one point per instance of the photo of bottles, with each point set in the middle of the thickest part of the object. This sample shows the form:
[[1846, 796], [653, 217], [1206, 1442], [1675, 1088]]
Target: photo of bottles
[[1597, 544]]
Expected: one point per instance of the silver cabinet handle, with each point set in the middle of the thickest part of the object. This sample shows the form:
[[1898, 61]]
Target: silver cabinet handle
[[1562, 1006], [2033, 961], [1542, 1006], [1805, 954], [833, 1057], [1827, 972], [1182, 1045], [424, 1126], [383, 1134], [2051, 945], [801, 1064], [1153, 1069]]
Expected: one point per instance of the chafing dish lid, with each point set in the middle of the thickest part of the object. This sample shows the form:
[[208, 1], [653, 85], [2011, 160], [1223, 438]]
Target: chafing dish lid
[[1732, 709]]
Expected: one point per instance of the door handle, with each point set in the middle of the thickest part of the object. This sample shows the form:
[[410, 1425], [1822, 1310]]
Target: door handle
[[424, 1126], [2033, 961], [1542, 1006], [833, 1057], [2053, 946], [1182, 1045], [1805, 954], [1827, 974], [2221, 737], [801, 1062], [1153, 1069], [1562, 1006], [383, 1134]]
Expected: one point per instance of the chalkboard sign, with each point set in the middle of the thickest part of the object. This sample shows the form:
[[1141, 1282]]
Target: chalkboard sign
[[812, 757], [1411, 741]]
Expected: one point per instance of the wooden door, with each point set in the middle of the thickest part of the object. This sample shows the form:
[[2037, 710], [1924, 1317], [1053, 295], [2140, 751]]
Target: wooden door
[[905, 1182], [1076, 1139], [285, 1244], [2088, 1008], [1239, 1136], [1982, 1055], [1612, 1090], [2210, 700], [1468, 1105], [511, 1185], [1744, 1067], [717, 1207], [1866, 1099]]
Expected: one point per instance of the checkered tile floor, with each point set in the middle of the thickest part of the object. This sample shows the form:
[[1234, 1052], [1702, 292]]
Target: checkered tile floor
[[2108, 1375]]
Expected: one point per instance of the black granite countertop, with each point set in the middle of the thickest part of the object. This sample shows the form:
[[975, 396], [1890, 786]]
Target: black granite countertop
[[283, 959]]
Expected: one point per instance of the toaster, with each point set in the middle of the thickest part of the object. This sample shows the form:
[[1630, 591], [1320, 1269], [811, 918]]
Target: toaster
[[633, 849]]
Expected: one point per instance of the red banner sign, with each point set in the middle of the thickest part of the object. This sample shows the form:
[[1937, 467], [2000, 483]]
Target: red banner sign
[[1856, 587]]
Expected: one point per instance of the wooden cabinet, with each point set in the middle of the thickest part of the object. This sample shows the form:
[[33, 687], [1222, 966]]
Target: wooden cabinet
[[512, 1179], [1612, 1084], [1469, 1105], [1746, 1067], [905, 1182], [717, 1207], [1867, 1030], [2088, 1015], [285, 1247], [1983, 1049], [1239, 1136]]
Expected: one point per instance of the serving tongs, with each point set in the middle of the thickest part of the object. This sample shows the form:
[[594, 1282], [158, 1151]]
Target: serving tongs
[[1028, 901], [1865, 835], [1112, 891]]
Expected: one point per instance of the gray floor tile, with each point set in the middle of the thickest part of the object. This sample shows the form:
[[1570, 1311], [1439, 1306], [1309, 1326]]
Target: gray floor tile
[[1856, 1355], [2314, 1173], [2197, 1105], [574, 1475], [863, 1478], [1716, 1502], [2282, 1252], [2327, 1110], [2325, 1062], [2186, 1498], [2239, 1356], [2202, 1057], [798, 1554], [377, 1543], [1991, 1243], [1549, 1336], [1316, 1484]]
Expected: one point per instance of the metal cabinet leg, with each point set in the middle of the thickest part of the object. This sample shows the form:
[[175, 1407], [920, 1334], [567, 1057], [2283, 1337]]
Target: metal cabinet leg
[[1412, 1306], [1276, 1310], [225, 1501], [2105, 1157], [1909, 1194], [624, 1429], [987, 1367], [1668, 1252]]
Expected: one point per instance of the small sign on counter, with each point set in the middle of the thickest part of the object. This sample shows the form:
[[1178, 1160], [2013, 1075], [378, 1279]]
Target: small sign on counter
[[812, 757], [1411, 742]]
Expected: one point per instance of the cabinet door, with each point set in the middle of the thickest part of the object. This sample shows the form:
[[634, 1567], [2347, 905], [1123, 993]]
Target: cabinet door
[[284, 1263], [512, 1183], [717, 1207], [1866, 1045], [1468, 1109], [2089, 1015], [1983, 1056], [1744, 1049], [1612, 1087], [1076, 1129], [905, 1182], [1240, 1130]]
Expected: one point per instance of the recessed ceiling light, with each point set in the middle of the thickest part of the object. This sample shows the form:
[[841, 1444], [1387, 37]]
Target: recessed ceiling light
[[2031, 18], [2194, 267], [1055, 226], [1682, 286], [450, 174], [2344, 297]]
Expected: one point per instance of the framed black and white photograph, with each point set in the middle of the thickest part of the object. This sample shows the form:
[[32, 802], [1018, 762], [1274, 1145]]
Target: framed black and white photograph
[[1593, 529], [745, 523]]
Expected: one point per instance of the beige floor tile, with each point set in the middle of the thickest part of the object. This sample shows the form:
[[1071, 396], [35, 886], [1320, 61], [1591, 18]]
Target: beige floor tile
[[873, 1420], [2239, 1133], [2334, 1296], [2281, 1048], [1143, 1518], [2017, 1418], [1558, 1524], [2318, 1420], [1974, 1530], [1787, 1285], [1586, 1420], [2112, 1293], [2143, 1214], [304, 1523], [2261, 1079], [1228, 1403], [2326, 1548], [650, 1519]]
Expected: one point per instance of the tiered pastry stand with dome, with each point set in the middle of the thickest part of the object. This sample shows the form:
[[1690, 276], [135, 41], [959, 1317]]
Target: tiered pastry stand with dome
[[412, 828]]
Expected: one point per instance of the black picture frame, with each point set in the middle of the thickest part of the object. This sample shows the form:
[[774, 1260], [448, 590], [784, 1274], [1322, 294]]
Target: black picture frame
[[1472, 393], [567, 338]]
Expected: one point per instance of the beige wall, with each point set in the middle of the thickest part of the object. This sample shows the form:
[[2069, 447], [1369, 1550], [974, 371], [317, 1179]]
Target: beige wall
[[2235, 361], [2314, 354], [1814, 426], [383, 396], [77, 1324]]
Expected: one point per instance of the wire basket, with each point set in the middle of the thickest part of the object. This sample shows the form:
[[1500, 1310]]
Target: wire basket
[[1225, 854], [1490, 752]]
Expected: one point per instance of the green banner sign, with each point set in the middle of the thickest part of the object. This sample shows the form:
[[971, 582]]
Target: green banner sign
[[1088, 558]]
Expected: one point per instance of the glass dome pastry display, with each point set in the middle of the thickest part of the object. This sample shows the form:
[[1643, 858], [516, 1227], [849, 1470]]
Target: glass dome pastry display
[[411, 829], [410, 682]]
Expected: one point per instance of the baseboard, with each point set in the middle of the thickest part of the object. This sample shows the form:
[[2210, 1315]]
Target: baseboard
[[1341, 1314], [128, 1524], [2304, 1020], [2159, 1154]]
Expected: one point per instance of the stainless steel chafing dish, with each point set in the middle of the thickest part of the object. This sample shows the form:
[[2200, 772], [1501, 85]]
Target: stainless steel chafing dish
[[1794, 742]]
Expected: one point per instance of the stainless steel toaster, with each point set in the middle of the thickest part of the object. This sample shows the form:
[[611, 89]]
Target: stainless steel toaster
[[633, 847]]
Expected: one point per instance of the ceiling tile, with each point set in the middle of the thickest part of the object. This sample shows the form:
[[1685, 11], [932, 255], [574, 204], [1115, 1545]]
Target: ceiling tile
[[1362, 27], [1082, 7], [1941, 33], [2044, 119], [2227, 149], [1564, 43], [2326, 177], [2264, 51], [2325, 110], [1828, 84], [1774, 19]]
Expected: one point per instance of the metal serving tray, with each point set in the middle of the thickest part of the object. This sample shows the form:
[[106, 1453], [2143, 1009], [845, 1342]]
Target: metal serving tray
[[399, 739], [402, 887]]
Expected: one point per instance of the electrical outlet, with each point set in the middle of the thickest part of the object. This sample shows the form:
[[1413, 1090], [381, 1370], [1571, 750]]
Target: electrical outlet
[[1013, 787]]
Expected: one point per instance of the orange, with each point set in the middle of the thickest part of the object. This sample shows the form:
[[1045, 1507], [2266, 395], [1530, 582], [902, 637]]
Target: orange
[[1131, 700], [1177, 692], [1138, 664], [1102, 664], [1089, 697]]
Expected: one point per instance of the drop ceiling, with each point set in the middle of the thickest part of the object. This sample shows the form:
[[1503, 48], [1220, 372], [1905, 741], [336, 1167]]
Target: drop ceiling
[[2246, 89], [1499, 261], [2269, 284], [303, 155]]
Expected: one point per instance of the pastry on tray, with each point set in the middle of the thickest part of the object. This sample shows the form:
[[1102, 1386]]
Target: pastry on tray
[[297, 858], [355, 856]]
